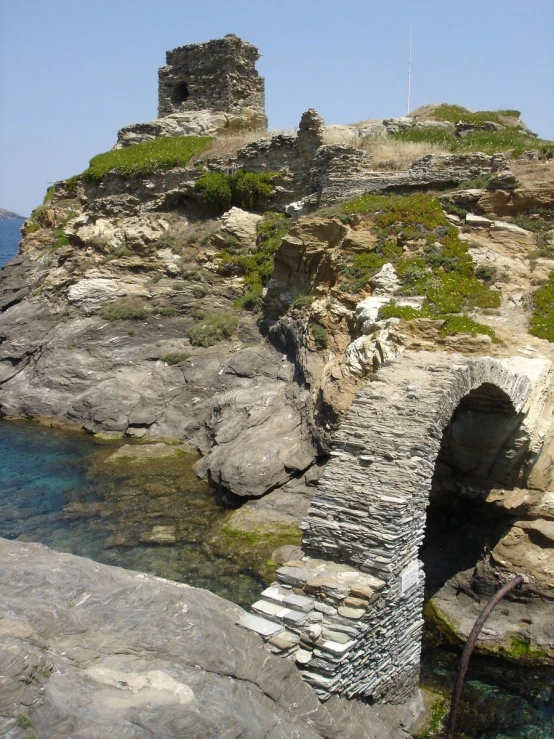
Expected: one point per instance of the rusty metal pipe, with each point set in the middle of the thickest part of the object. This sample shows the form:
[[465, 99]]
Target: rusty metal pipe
[[468, 649]]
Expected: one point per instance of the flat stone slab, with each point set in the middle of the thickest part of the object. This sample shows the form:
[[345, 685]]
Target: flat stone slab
[[261, 626], [136, 453], [299, 601]]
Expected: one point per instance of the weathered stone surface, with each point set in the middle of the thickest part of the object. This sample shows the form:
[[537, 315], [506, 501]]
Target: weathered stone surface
[[91, 650], [217, 75], [241, 224]]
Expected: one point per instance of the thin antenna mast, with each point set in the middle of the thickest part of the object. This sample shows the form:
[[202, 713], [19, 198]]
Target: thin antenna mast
[[410, 72]]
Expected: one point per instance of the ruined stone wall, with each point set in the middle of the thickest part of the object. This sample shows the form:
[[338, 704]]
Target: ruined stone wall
[[357, 627], [216, 75]]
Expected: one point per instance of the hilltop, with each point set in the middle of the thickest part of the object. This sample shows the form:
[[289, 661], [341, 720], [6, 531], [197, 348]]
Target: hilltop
[[6, 215]]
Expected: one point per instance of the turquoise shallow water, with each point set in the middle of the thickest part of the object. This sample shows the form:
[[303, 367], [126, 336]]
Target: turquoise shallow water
[[56, 489], [53, 490]]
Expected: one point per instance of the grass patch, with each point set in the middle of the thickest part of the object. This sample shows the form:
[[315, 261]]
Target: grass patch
[[302, 301], [509, 139], [252, 300], [24, 721], [126, 309], [542, 320], [213, 328], [404, 312], [319, 335], [247, 190], [144, 159], [459, 114], [174, 357], [465, 325]]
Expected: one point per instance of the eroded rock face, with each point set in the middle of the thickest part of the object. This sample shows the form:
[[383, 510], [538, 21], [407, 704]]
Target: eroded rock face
[[96, 651]]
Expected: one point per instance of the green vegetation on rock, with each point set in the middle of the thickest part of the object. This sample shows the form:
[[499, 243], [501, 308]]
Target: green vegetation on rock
[[404, 312], [542, 320], [213, 328], [319, 335], [174, 357], [459, 114], [144, 159], [247, 190], [466, 325], [490, 142], [256, 266], [441, 268], [255, 546]]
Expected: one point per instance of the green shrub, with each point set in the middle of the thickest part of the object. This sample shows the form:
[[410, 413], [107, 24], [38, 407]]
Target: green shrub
[[126, 309], [452, 292], [49, 195], [214, 327], [537, 220], [319, 335], [357, 272], [168, 311], [302, 301], [31, 227], [199, 291], [465, 325], [478, 183], [252, 300], [144, 159], [247, 190], [174, 357], [405, 312], [24, 721], [486, 272], [542, 320]]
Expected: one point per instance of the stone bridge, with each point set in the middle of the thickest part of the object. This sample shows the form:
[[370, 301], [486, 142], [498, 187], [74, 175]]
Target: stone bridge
[[350, 612]]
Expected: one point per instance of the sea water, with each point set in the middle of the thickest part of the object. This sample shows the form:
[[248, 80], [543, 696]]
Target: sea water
[[10, 235]]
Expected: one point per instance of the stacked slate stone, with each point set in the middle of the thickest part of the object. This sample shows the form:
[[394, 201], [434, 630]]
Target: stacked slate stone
[[318, 613]]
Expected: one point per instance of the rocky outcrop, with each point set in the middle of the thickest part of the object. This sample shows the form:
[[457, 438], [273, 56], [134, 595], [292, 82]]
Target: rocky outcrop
[[91, 650]]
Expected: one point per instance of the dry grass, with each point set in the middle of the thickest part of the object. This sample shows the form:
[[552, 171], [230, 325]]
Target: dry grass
[[387, 153], [225, 146]]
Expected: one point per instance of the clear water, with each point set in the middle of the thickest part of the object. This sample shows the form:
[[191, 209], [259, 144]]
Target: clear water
[[10, 236], [499, 701], [56, 488]]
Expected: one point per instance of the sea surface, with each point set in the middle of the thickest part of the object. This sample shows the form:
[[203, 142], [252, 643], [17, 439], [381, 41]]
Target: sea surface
[[10, 236]]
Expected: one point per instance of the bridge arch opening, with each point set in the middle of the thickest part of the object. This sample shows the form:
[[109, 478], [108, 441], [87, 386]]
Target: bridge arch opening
[[482, 449]]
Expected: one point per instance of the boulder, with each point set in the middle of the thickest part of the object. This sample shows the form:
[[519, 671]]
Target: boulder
[[241, 224], [97, 651]]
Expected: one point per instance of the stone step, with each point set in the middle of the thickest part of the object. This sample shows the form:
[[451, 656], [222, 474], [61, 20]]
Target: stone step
[[288, 599], [260, 626], [278, 613]]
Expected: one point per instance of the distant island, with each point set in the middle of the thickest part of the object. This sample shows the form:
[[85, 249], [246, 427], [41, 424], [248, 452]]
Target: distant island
[[8, 215]]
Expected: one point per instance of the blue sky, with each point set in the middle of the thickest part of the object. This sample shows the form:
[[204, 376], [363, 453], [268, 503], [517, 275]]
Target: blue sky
[[72, 72]]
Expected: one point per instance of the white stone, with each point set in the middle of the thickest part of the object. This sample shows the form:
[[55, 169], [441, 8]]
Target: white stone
[[474, 220], [259, 625], [386, 281], [241, 224]]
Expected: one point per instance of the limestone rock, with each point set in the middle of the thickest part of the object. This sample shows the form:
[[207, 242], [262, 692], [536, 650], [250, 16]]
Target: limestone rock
[[386, 281], [241, 224]]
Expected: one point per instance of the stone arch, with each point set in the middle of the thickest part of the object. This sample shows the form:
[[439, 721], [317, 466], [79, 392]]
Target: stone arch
[[369, 511]]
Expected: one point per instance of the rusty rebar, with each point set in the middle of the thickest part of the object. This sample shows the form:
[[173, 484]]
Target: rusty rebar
[[468, 649]]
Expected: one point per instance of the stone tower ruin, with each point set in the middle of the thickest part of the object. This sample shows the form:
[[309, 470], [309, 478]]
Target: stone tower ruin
[[216, 75]]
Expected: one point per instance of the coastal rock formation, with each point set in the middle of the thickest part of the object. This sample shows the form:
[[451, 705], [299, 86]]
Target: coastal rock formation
[[88, 649]]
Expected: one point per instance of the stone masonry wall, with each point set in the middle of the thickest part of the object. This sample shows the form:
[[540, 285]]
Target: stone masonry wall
[[361, 585], [216, 75]]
